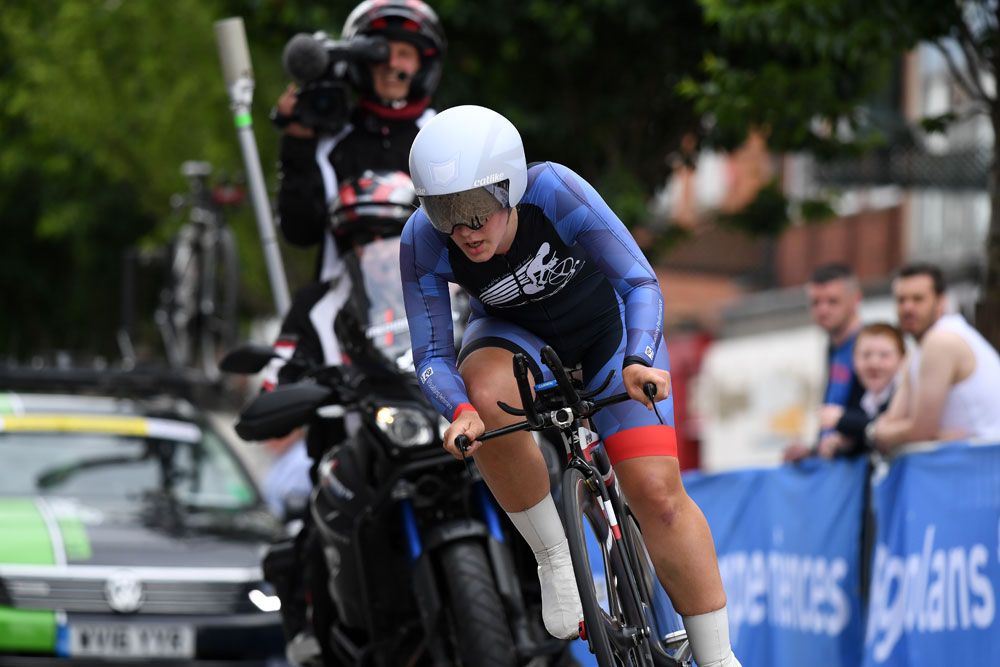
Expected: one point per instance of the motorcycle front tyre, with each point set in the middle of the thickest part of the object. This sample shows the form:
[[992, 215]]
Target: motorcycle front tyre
[[480, 629]]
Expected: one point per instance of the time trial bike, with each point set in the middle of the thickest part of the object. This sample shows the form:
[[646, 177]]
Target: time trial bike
[[622, 624]]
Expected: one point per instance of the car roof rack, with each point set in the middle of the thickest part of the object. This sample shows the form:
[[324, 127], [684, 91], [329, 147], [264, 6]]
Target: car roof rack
[[138, 382]]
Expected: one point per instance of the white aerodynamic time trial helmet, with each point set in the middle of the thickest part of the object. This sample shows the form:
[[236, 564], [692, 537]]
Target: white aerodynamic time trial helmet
[[467, 163]]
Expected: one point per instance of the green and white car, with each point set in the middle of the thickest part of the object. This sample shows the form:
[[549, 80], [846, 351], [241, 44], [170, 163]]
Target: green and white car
[[129, 529]]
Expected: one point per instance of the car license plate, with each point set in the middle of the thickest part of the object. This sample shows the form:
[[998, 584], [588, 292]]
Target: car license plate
[[132, 640]]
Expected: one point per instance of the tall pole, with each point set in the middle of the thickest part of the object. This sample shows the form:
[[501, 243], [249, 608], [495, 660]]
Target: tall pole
[[234, 53]]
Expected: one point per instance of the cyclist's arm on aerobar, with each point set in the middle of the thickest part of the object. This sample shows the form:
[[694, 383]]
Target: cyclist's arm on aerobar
[[598, 230], [428, 311]]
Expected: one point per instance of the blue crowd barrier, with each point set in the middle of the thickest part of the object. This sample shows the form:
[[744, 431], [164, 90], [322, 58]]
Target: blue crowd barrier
[[790, 553], [936, 567], [788, 541]]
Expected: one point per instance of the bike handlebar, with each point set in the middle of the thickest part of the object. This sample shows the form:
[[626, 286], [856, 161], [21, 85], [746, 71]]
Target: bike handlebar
[[580, 406]]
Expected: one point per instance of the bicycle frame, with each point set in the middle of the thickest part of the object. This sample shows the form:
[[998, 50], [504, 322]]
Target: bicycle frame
[[197, 306], [585, 453]]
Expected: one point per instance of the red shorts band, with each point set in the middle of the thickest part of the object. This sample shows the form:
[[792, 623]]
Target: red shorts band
[[658, 440]]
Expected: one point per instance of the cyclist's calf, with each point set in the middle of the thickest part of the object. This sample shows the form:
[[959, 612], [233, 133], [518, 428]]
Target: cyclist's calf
[[675, 531], [512, 466]]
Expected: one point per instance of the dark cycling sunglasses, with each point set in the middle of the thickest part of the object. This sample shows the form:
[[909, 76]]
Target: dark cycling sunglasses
[[469, 207]]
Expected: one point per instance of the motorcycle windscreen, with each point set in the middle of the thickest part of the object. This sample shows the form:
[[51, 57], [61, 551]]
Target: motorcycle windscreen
[[386, 325]]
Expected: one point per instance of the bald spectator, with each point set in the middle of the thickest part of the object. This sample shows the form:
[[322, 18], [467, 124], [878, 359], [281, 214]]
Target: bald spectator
[[834, 298], [951, 383]]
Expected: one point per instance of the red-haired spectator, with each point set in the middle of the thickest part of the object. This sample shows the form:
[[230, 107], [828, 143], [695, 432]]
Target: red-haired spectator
[[878, 358]]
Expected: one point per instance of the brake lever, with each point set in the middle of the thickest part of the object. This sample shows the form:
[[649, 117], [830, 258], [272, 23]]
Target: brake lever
[[345, 383], [649, 389], [463, 443]]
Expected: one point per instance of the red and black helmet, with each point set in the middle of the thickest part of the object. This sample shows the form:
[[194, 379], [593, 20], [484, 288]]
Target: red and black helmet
[[375, 204], [410, 21]]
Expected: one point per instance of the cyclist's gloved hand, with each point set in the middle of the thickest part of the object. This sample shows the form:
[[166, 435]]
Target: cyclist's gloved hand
[[635, 376], [468, 423]]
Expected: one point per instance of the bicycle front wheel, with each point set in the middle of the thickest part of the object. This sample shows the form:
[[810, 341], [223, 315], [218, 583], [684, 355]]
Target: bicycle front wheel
[[611, 619]]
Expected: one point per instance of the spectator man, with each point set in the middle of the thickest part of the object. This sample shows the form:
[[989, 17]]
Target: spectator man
[[834, 298], [951, 383], [286, 485]]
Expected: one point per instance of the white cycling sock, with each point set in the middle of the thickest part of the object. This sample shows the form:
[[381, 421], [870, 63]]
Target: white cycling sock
[[543, 531], [540, 525], [709, 637]]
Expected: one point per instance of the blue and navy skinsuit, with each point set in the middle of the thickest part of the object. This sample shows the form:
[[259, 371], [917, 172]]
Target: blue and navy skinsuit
[[573, 278]]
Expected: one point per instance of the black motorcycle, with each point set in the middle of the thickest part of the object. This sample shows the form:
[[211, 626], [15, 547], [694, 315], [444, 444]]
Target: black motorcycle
[[423, 568]]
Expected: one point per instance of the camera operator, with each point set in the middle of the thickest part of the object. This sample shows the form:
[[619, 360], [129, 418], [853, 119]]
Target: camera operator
[[390, 57], [393, 87]]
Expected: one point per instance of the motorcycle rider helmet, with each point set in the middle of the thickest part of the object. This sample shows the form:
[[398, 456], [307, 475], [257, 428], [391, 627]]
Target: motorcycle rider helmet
[[410, 21], [375, 204], [467, 163]]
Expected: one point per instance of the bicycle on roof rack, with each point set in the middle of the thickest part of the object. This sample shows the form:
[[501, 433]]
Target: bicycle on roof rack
[[197, 309], [620, 618], [142, 382]]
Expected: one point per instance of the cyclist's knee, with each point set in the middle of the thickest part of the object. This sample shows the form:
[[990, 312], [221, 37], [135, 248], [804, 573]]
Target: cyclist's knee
[[488, 379], [654, 489], [660, 505], [484, 394]]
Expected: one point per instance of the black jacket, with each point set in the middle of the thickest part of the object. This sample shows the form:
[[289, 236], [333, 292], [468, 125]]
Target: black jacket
[[371, 142], [852, 425]]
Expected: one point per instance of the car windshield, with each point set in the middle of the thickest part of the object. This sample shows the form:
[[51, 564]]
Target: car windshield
[[101, 467], [386, 326]]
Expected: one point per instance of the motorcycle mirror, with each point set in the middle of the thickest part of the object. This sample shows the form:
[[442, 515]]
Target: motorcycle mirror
[[247, 359]]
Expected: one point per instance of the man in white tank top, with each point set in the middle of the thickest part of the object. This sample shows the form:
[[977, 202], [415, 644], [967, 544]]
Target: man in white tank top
[[951, 384]]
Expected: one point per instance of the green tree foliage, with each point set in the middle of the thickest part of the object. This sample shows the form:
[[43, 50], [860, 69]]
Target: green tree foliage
[[805, 72], [590, 83], [102, 100]]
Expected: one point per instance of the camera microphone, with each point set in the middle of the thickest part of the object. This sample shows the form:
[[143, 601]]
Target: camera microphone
[[304, 58]]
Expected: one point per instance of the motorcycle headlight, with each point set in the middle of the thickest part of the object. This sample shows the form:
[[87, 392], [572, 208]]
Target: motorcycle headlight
[[406, 427], [264, 597]]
